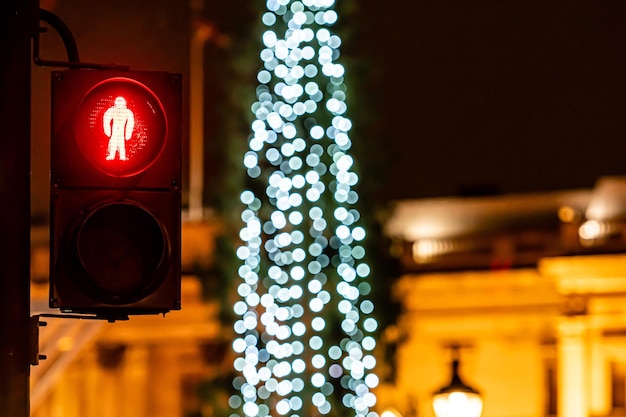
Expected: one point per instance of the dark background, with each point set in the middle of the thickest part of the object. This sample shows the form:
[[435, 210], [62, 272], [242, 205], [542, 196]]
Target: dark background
[[488, 96], [451, 97]]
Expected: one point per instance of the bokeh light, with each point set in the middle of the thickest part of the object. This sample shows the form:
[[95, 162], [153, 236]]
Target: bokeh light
[[303, 272]]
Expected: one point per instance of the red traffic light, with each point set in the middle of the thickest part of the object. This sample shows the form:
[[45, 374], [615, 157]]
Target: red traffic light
[[115, 128], [120, 127], [115, 192]]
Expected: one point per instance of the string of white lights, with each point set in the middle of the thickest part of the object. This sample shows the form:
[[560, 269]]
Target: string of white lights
[[305, 324]]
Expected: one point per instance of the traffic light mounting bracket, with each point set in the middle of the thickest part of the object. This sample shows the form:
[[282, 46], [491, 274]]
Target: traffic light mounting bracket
[[36, 323], [95, 311], [70, 46]]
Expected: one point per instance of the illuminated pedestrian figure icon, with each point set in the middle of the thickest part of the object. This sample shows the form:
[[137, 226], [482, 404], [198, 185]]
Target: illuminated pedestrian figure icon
[[118, 123]]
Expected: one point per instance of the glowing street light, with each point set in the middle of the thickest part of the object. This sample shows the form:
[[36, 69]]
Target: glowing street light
[[457, 399]]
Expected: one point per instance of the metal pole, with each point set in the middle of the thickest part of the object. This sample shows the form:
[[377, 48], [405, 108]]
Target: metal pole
[[199, 37], [18, 20]]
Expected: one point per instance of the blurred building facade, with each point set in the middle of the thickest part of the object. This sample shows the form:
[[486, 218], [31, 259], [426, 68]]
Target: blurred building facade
[[146, 366], [531, 287]]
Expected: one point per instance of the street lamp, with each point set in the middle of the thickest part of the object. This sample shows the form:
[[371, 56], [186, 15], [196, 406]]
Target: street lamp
[[457, 399], [390, 412]]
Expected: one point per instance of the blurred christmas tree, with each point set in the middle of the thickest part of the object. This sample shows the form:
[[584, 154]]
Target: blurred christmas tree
[[305, 297]]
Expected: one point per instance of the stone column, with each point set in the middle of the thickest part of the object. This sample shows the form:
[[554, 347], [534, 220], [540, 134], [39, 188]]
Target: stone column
[[110, 360], [165, 391], [600, 376], [572, 386], [135, 380]]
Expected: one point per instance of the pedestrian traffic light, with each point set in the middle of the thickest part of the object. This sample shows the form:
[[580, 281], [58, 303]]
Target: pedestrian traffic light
[[115, 192]]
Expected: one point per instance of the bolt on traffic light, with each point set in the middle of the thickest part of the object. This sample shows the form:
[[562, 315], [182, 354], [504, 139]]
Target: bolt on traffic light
[[115, 191]]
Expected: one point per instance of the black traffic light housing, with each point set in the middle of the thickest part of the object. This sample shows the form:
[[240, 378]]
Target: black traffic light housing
[[115, 192]]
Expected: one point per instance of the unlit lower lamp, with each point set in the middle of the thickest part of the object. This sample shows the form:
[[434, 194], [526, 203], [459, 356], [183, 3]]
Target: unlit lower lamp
[[457, 399]]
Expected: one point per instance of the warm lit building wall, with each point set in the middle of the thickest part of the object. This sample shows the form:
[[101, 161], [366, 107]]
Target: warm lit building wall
[[137, 368], [544, 341], [503, 322], [148, 366], [591, 336], [538, 300]]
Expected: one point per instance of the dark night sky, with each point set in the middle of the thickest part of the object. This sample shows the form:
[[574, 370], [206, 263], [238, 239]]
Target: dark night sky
[[515, 95]]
